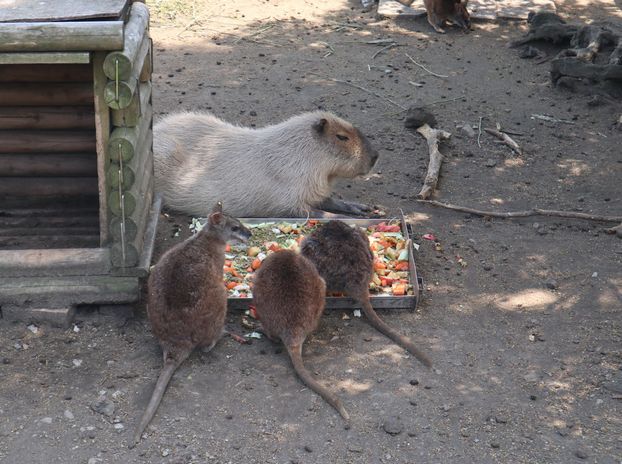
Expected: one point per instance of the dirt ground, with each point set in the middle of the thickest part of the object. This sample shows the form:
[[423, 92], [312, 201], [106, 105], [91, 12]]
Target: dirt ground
[[526, 339]]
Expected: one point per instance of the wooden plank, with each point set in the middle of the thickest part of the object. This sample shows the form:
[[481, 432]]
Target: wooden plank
[[48, 165], [61, 10], [48, 186], [51, 94], [48, 211], [118, 94], [132, 198], [24, 141], [61, 36], [46, 73], [60, 221], [131, 116], [29, 242], [135, 167], [49, 232], [54, 262], [102, 134], [45, 58], [124, 141], [47, 117], [150, 234], [119, 64], [146, 71], [57, 317]]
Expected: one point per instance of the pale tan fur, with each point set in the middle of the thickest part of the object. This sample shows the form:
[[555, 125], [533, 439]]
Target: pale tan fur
[[284, 169]]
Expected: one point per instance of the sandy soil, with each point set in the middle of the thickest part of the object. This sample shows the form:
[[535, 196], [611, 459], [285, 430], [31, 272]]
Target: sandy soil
[[526, 339]]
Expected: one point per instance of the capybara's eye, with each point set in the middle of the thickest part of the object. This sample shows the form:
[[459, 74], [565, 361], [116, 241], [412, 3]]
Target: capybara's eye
[[342, 137]]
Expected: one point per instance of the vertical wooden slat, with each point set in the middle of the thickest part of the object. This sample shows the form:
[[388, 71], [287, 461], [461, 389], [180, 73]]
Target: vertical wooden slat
[[102, 130]]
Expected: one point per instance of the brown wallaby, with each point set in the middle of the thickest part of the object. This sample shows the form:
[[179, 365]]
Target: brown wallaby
[[187, 300], [289, 295], [440, 11], [283, 170], [343, 258]]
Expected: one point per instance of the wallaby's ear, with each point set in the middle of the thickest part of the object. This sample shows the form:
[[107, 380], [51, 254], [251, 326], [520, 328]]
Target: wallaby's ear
[[320, 126], [217, 207], [215, 218]]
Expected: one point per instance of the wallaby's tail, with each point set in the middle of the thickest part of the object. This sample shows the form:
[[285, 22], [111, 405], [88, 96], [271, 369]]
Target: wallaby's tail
[[397, 337], [295, 353], [169, 368]]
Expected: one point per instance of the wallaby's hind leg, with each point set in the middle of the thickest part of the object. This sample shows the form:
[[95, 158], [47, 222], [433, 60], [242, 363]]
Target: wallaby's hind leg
[[436, 23]]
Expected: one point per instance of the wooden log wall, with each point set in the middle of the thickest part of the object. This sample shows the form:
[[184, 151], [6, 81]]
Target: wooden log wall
[[48, 160], [129, 148]]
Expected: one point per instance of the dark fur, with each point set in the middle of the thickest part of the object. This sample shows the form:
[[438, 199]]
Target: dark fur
[[288, 294], [440, 11], [187, 301], [343, 258]]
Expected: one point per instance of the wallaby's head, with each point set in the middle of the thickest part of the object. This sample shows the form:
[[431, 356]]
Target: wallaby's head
[[351, 152], [461, 16], [227, 228]]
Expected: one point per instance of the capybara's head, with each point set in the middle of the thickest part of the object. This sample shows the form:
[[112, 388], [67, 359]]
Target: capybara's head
[[350, 150]]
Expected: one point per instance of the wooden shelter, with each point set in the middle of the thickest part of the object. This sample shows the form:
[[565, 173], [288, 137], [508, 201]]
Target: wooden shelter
[[77, 209]]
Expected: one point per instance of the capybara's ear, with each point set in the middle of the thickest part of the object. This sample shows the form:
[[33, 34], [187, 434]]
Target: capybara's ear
[[217, 207], [320, 126]]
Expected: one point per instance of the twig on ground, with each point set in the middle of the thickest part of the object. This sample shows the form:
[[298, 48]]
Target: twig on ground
[[424, 68], [433, 137], [544, 117], [261, 30], [479, 132], [615, 230], [526, 213], [509, 141], [339, 81], [383, 49], [438, 102]]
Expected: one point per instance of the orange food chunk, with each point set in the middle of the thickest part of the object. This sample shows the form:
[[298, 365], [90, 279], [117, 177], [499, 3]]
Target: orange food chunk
[[401, 266], [256, 263], [379, 265], [398, 289]]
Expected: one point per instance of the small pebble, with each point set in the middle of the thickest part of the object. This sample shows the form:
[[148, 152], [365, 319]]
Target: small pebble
[[580, 454], [393, 426], [68, 414], [308, 449], [165, 452], [414, 382], [490, 163], [551, 283], [495, 445], [46, 420]]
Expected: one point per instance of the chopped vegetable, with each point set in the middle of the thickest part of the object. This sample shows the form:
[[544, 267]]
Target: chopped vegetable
[[389, 246]]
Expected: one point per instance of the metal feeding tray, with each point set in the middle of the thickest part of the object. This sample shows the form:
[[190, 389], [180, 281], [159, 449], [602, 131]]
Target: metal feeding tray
[[332, 302]]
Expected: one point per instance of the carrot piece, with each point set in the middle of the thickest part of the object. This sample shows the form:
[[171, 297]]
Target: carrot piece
[[227, 270], [227, 263], [401, 266], [231, 285], [227, 248], [399, 289], [256, 263], [379, 265]]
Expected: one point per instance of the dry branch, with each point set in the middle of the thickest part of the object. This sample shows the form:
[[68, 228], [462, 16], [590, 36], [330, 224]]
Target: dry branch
[[339, 81], [526, 213], [506, 140], [433, 137], [442, 76]]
